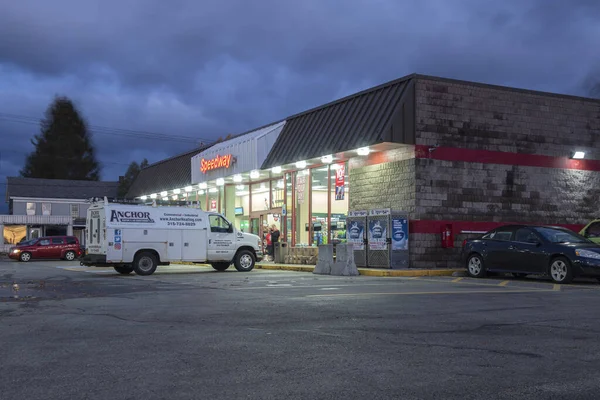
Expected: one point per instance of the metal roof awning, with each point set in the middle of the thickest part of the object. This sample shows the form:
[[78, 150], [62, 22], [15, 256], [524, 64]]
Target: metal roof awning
[[382, 114]]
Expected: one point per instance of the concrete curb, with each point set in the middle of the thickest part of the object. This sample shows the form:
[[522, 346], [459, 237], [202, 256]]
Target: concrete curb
[[361, 271]]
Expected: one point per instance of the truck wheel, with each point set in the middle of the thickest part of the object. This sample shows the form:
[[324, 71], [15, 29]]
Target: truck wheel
[[124, 270], [220, 266], [145, 264], [244, 261]]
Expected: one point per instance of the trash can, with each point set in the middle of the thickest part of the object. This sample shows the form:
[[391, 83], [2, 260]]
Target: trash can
[[281, 251]]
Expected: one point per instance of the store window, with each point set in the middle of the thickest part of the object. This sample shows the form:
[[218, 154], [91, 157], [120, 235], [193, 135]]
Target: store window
[[277, 188], [301, 208], [199, 198], [319, 207], [238, 206], [289, 207], [260, 196], [213, 199], [339, 202]]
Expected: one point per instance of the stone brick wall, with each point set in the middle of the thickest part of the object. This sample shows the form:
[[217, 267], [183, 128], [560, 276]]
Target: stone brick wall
[[469, 115], [451, 114], [387, 185]]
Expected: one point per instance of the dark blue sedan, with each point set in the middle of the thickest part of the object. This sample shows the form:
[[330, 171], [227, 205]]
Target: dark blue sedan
[[541, 250]]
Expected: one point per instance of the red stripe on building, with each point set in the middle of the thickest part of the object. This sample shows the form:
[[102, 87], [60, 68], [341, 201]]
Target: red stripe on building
[[505, 158], [430, 226]]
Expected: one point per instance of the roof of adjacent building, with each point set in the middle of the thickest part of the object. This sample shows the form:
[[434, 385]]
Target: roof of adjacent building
[[59, 188], [384, 113], [174, 172]]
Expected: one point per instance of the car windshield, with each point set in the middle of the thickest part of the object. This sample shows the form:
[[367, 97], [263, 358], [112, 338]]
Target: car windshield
[[555, 235], [27, 242]]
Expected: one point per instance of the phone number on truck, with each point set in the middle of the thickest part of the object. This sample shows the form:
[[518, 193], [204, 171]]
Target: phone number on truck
[[181, 224]]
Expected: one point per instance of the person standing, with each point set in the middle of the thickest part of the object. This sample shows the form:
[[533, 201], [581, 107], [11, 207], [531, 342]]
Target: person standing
[[274, 239]]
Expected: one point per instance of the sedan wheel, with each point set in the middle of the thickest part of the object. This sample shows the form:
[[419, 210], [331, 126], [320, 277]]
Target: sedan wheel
[[560, 270], [475, 266]]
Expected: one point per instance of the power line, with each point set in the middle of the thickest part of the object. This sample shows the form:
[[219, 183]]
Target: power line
[[104, 130], [65, 158]]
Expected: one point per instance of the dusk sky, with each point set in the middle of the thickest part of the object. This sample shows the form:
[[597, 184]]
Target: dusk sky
[[191, 71]]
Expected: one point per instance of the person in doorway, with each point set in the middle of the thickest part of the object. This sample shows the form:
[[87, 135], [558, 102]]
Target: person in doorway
[[274, 239]]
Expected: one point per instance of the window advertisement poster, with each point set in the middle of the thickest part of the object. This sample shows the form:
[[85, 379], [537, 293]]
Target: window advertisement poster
[[356, 232], [399, 234], [377, 235], [340, 174]]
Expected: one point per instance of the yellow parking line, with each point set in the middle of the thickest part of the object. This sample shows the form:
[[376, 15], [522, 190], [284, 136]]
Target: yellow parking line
[[457, 280], [436, 292], [503, 283]]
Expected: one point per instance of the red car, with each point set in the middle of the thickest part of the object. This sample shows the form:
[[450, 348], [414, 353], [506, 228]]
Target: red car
[[53, 247]]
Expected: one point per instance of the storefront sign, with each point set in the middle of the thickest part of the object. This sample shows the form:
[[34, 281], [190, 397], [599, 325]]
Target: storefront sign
[[399, 234], [216, 163], [356, 232], [377, 235], [340, 174]]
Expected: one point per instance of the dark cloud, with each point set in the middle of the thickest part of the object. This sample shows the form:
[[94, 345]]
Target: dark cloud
[[206, 69]]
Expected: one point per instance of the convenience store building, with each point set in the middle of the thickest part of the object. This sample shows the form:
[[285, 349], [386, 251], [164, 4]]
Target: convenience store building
[[457, 157]]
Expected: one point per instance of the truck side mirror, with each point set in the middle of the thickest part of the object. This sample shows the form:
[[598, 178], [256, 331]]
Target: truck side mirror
[[230, 229]]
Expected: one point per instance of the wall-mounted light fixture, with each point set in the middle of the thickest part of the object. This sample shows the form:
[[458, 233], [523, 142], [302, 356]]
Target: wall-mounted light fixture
[[188, 189], [301, 164], [177, 191], [363, 151], [144, 198], [255, 174], [203, 185], [276, 170], [578, 155], [153, 196], [164, 193], [220, 182], [327, 159], [237, 178]]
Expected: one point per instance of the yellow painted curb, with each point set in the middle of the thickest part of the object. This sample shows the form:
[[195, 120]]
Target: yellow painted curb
[[361, 271], [407, 272]]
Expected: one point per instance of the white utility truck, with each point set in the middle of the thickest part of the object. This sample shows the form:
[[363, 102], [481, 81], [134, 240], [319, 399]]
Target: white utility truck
[[138, 238]]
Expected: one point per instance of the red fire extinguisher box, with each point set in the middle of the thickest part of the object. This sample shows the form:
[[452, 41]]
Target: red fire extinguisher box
[[447, 236]]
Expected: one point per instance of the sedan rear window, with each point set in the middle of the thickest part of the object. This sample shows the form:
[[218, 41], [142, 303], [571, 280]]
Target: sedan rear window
[[498, 235], [554, 235]]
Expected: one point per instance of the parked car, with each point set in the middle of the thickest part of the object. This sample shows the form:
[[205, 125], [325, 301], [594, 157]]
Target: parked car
[[522, 250], [592, 231], [52, 247]]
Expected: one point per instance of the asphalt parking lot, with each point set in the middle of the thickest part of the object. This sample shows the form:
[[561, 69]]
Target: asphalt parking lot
[[189, 332]]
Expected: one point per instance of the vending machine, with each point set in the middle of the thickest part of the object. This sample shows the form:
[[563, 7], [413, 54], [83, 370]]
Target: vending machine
[[387, 239], [356, 235]]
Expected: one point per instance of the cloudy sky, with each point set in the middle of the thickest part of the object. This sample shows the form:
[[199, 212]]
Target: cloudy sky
[[190, 70]]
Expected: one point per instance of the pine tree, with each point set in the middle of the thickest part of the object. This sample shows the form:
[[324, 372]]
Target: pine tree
[[127, 180], [63, 149]]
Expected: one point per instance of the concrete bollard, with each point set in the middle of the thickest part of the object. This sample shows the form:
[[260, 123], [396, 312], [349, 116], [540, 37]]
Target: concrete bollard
[[324, 260], [344, 264]]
